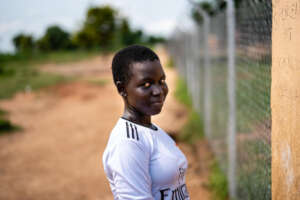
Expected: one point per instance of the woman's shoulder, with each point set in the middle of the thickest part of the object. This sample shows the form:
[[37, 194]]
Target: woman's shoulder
[[129, 132], [125, 139]]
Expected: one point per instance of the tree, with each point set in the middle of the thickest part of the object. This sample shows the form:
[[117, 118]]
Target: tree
[[222, 4], [125, 32], [128, 36], [155, 39], [98, 29], [54, 39], [23, 43]]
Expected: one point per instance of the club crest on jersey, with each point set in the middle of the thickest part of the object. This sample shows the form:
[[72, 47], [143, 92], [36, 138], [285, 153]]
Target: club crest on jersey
[[131, 131]]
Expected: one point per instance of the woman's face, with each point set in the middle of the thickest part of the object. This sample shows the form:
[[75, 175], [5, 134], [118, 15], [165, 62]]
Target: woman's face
[[146, 90]]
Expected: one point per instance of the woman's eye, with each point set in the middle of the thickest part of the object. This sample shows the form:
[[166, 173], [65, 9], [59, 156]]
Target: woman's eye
[[147, 84]]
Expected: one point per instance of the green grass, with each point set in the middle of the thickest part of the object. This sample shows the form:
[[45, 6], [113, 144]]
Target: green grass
[[53, 57], [181, 93], [66, 56], [27, 79], [253, 82], [253, 86], [253, 94], [218, 183], [5, 125], [170, 63], [3, 113], [193, 129], [20, 72], [99, 82], [254, 174]]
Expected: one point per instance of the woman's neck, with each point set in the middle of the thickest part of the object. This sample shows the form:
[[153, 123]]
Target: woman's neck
[[133, 115]]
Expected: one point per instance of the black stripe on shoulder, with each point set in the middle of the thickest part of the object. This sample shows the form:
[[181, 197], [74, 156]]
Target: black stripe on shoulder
[[132, 131], [137, 133], [127, 130]]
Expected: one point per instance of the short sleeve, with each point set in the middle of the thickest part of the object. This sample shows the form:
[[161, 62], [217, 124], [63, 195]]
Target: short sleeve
[[130, 171]]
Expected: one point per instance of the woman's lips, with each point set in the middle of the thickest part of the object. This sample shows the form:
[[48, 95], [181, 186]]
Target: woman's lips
[[158, 103]]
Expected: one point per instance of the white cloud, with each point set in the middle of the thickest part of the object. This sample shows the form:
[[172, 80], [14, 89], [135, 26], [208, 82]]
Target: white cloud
[[163, 27], [7, 27]]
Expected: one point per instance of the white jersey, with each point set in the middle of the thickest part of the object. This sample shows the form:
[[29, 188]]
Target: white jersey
[[144, 164]]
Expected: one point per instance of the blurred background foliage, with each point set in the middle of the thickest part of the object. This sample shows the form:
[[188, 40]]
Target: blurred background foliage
[[103, 29], [212, 8]]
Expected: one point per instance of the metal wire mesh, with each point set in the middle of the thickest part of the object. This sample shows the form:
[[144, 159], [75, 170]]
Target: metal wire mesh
[[208, 86], [253, 64]]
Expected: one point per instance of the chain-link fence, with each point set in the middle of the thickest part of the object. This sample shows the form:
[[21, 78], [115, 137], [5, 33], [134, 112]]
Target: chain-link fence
[[233, 99]]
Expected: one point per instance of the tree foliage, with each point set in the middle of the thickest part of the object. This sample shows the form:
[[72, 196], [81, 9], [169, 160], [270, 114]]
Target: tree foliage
[[23, 43], [155, 39], [222, 3], [102, 28], [214, 7], [98, 29], [55, 38], [129, 36], [211, 8], [125, 32]]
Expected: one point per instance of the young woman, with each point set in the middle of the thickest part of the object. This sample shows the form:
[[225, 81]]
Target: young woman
[[140, 160]]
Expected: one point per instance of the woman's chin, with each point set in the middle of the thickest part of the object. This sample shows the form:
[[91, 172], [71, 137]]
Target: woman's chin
[[156, 110]]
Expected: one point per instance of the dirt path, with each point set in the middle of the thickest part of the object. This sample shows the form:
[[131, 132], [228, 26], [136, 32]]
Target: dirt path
[[57, 156]]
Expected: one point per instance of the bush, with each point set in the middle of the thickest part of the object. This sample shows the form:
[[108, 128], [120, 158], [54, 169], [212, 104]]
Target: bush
[[181, 93], [55, 39], [193, 129], [23, 43], [218, 183], [5, 125]]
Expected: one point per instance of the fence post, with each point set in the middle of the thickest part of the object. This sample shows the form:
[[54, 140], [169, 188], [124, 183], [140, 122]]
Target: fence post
[[207, 70], [285, 100], [231, 139], [194, 74], [197, 74], [207, 74], [207, 77]]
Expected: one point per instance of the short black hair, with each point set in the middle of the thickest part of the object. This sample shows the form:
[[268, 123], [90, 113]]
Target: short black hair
[[126, 57]]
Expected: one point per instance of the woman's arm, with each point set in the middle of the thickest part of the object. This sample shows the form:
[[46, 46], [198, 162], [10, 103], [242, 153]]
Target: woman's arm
[[130, 171]]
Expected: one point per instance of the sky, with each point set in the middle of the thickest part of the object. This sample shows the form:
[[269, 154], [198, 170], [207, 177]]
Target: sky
[[34, 16]]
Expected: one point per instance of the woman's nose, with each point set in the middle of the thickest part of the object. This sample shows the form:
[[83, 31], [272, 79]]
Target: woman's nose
[[157, 90]]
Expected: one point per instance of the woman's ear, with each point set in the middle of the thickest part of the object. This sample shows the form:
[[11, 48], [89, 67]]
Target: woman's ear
[[121, 88]]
